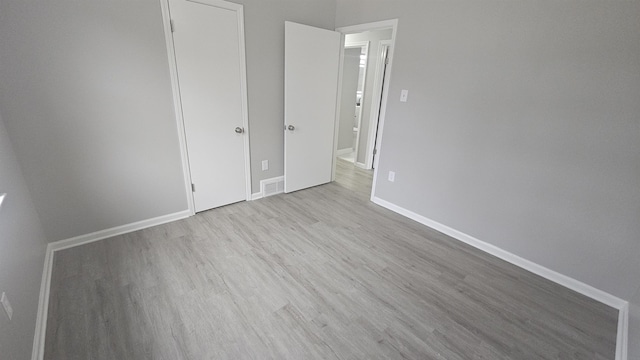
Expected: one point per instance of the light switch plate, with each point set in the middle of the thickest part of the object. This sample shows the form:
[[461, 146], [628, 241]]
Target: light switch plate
[[265, 165], [404, 94], [392, 176], [6, 305]]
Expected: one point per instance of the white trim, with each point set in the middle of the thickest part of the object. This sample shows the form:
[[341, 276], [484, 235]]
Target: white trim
[[383, 108], [566, 281], [384, 46], [177, 103], [353, 45], [622, 340], [219, 3], [540, 270], [336, 120], [360, 165], [356, 44], [118, 230], [37, 352], [257, 196], [344, 151], [378, 25]]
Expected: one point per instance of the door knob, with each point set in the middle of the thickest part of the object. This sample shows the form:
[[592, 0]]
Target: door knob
[[291, 127], [239, 130]]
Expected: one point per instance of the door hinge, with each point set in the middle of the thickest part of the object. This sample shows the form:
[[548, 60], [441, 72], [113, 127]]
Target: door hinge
[[173, 28], [375, 151], [386, 59], [193, 187]]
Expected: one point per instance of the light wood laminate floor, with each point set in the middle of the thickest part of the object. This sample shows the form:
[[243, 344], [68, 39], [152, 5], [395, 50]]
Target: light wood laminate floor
[[318, 274]]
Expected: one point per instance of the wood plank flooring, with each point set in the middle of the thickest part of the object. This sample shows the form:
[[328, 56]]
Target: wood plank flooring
[[318, 274]]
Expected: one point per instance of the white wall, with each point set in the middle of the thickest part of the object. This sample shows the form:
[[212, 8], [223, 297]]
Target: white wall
[[374, 38], [350, 76], [86, 98], [521, 128], [22, 249]]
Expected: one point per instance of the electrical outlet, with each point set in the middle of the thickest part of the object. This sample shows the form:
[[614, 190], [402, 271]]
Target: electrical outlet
[[392, 176], [6, 305], [265, 165]]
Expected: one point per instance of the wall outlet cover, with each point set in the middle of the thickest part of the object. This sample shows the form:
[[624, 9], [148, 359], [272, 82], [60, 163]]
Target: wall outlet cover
[[392, 176], [265, 165]]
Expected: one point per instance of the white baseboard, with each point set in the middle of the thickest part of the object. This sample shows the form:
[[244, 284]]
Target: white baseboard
[[256, 196], [360, 165], [622, 341], [343, 151], [566, 281], [37, 352], [118, 230]]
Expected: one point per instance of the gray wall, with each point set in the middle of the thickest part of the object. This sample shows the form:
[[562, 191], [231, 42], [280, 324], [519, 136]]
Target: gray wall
[[350, 76], [522, 127], [264, 27], [86, 95], [374, 38], [22, 249], [86, 98], [634, 327]]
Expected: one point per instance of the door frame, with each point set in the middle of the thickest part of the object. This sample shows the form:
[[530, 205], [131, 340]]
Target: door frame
[[378, 25], [374, 135], [354, 45], [173, 70]]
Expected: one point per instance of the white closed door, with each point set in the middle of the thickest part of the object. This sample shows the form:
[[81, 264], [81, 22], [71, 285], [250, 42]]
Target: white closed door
[[210, 67], [312, 59]]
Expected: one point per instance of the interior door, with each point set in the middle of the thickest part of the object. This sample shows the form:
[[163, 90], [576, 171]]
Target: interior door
[[312, 58], [210, 68]]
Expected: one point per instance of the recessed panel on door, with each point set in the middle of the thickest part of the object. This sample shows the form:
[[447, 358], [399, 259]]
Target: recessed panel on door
[[208, 57]]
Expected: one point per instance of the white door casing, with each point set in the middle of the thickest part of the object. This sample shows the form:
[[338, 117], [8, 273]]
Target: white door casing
[[381, 76], [208, 41], [312, 61], [385, 24], [363, 45]]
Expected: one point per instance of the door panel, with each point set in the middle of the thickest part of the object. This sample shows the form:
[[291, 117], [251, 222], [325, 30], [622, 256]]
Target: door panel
[[208, 57], [311, 86]]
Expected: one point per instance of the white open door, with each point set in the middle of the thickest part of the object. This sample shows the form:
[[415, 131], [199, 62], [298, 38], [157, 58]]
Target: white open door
[[209, 50], [312, 62]]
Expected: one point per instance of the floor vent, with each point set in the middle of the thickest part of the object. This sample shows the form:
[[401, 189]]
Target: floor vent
[[272, 186]]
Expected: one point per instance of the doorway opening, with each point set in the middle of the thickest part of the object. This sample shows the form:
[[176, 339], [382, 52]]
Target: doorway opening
[[354, 73], [365, 70]]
